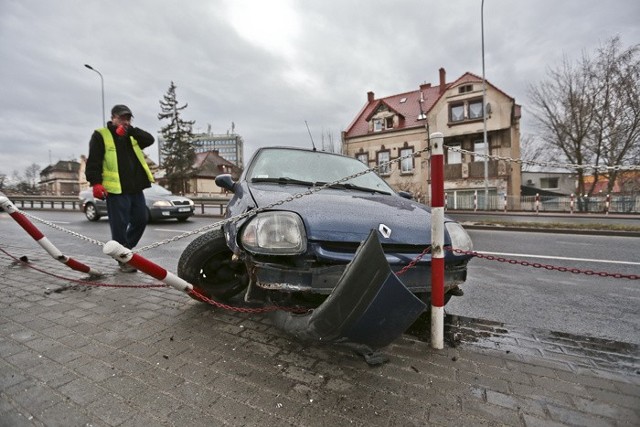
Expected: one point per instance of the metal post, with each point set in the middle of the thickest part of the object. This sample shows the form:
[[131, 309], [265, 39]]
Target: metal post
[[104, 123], [484, 117], [437, 240]]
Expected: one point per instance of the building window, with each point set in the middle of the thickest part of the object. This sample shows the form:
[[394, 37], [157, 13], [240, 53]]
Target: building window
[[549, 182], [383, 159], [478, 147], [475, 109], [454, 157], [388, 123], [377, 125], [407, 162], [363, 157], [465, 89], [456, 112]]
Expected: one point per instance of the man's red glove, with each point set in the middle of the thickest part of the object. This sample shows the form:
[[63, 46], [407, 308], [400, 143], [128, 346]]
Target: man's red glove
[[99, 192]]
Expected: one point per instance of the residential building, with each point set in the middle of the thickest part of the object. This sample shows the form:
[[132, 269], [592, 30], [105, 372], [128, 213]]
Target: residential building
[[548, 182], [207, 166], [60, 179], [398, 125]]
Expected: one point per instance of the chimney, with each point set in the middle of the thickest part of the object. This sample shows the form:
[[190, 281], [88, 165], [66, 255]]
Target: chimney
[[443, 79], [370, 96], [425, 86]]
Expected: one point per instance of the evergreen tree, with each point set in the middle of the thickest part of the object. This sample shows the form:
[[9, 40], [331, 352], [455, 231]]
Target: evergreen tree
[[177, 151]]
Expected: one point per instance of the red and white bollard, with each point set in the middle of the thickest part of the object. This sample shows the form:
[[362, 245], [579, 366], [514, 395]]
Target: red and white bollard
[[475, 200], [122, 254], [437, 241], [505, 202], [537, 203], [607, 204], [33, 231]]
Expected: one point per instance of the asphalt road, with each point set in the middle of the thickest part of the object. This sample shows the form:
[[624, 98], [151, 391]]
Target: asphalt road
[[516, 295]]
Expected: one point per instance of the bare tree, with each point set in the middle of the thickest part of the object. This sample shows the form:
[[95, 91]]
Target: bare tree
[[31, 173], [588, 112], [532, 150]]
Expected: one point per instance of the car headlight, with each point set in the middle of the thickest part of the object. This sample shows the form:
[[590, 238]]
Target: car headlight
[[162, 204], [459, 237], [275, 233]]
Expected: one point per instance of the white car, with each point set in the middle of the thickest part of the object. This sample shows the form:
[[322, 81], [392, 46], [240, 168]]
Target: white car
[[161, 204]]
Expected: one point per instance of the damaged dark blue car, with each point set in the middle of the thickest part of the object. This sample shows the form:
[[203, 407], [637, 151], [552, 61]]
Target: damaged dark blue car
[[300, 246]]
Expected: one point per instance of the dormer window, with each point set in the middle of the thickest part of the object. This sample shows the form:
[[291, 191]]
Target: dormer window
[[382, 123], [465, 89]]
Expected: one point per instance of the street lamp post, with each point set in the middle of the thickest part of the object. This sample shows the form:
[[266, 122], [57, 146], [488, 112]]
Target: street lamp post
[[484, 117], [102, 87]]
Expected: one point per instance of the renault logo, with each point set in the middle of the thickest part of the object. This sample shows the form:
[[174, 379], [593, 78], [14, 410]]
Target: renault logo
[[384, 230]]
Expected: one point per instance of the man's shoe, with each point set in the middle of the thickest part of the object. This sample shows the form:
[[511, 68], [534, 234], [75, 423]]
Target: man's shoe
[[126, 268]]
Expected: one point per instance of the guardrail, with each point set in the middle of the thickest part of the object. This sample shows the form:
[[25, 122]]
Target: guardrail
[[210, 206]]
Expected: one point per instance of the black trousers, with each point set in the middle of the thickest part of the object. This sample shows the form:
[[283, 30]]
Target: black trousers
[[127, 218]]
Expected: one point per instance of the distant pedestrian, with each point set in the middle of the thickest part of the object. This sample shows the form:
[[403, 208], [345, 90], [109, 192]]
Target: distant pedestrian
[[117, 171]]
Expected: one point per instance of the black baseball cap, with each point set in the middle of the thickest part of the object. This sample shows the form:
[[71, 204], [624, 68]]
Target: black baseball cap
[[121, 110]]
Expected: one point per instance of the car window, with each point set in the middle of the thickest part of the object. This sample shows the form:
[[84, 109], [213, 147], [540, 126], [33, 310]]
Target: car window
[[310, 166]]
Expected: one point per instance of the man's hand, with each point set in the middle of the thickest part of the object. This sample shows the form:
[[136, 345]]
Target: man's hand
[[99, 192]]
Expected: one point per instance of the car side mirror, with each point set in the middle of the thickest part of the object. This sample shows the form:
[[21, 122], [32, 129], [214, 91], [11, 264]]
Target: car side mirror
[[225, 181], [405, 194]]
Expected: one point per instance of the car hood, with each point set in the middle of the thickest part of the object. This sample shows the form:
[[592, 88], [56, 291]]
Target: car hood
[[348, 216]]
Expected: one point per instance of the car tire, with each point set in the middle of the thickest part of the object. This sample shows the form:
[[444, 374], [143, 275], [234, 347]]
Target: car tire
[[91, 212], [182, 219], [207, 264]]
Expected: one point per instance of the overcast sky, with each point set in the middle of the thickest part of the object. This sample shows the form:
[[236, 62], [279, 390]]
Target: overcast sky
[[266, 65]]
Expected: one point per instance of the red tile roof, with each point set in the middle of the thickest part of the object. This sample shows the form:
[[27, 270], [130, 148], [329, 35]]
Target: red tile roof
[[410, 109]]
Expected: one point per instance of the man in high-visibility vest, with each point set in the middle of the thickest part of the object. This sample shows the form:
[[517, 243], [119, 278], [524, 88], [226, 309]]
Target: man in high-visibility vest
[[118, 172]]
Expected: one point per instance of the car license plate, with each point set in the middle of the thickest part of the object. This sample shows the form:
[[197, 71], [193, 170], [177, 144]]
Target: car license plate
[[184, 209]]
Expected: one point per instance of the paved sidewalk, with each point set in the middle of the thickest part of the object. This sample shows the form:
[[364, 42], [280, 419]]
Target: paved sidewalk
[[76, 355]]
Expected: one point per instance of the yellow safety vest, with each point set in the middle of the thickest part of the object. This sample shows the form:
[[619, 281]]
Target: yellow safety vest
[[110, 175]]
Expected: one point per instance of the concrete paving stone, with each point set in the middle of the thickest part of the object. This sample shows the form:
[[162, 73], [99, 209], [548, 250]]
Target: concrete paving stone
[[111, 410], [613, 398], [81, 391], [632, 389], [25, 360], [595, 377], [515, 403], [52, 374], [534, 392], [572, 388], [159, 378], [573, 417], [196, 394], [9, 347], [157, 403], [146, 420], [36, 397], [532, 421], [493, 413], [486, 381], [235, 413], [607, 410], [95, 370], [16, 419], [56, 332], [192, 417]]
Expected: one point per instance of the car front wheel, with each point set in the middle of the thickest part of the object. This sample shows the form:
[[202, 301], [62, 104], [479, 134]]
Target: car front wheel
[[91, 212], [207, 264]]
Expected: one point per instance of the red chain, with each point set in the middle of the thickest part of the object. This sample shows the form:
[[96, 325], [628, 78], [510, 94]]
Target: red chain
[[414, 262], [546, 266], [196, 293]]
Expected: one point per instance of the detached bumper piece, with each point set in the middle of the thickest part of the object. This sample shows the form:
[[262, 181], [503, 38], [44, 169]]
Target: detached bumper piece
[[368, 309]]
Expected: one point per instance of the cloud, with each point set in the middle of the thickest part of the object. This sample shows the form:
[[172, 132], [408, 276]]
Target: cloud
[[266, 66]]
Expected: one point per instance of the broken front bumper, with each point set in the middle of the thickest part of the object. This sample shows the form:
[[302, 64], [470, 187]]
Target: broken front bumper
[[322, 280]]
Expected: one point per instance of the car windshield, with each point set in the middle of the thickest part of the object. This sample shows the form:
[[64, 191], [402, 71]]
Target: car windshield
[[287, 166], [156, 190]]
